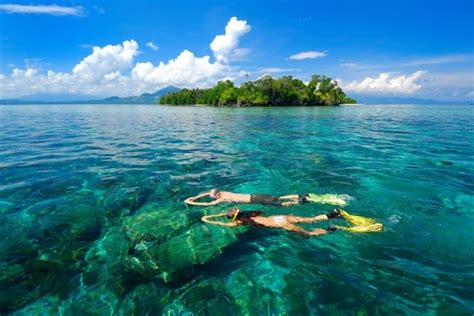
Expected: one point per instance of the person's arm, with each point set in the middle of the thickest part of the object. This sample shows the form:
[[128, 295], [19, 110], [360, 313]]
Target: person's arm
[[202, 203], [192, 200], [206, 220]]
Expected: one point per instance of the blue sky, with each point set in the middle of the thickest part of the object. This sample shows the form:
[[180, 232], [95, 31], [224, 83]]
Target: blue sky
[[402, 48]]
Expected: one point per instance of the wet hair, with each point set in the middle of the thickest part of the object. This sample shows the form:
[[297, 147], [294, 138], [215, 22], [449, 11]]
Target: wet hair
[[244, 217], [213, 193]]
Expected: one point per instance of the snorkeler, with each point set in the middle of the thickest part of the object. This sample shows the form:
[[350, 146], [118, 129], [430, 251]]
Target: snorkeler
[[265, 199], [288, 222]]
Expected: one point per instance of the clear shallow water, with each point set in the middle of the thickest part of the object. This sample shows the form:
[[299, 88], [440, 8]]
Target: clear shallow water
[[93, 220]]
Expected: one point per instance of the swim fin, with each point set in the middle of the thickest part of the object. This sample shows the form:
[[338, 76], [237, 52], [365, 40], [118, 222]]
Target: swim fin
[[360, 224], [333, 199], [373, 228], [357, 220]]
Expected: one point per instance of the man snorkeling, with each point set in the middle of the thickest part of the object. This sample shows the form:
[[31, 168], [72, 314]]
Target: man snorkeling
[[265, 199], [288, 222]]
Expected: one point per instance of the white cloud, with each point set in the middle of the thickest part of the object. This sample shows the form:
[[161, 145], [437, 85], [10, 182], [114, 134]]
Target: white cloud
[[429, 60], [308, 55], [272, 70], [42, 9], [349, 65], [225, 47], [105, 60], [152, 45], [459, 79], [184, 70], [470, 94], [112, 70], [444, 59], [386, 84]]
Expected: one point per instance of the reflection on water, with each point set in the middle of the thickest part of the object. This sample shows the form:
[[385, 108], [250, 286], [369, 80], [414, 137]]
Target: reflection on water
[[93, 219]]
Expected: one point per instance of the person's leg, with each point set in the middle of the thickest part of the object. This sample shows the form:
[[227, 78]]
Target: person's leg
[[294, 199], [289, 197], [300, 219], [303, 232], [289, 203]]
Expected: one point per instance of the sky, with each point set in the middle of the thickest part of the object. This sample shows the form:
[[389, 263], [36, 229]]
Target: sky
[[403, 48]]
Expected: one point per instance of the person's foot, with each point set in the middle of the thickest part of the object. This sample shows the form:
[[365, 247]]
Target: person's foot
[[335, 213]]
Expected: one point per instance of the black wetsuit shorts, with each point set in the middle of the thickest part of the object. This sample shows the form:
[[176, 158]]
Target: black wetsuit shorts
[[265, 199]]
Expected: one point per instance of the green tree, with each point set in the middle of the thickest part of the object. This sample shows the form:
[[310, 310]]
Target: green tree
[[266, 91]]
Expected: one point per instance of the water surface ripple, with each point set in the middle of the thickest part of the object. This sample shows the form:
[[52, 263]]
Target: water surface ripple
[[93, 220]]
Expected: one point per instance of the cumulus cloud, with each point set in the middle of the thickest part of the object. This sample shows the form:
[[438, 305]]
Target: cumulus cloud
[[387, 84], [184, 70], [308, 55], [106, 60], [112, 70], [42, 9], [152, 45], [225, 47]]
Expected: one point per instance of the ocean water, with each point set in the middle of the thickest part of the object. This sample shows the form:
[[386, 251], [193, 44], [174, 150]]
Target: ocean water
[[93, 220]]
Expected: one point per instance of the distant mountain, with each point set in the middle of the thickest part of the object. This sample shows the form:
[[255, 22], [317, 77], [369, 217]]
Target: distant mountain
[[57, 97], [371, 99], [146, 98], [153, 98]]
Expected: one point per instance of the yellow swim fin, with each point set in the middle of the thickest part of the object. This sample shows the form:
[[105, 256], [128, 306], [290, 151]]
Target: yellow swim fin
[[357, 220], [333, 199], [359, 224], [373, 228]]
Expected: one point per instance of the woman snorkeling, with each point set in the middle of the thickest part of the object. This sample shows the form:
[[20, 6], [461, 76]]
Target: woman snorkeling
[[288, 222]]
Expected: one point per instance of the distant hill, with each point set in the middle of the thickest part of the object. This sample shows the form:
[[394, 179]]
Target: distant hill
[[153, 98], [371, 99], [146, 98], [57, 97]]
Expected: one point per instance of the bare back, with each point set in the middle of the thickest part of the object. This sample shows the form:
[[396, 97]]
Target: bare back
[[234, 197]]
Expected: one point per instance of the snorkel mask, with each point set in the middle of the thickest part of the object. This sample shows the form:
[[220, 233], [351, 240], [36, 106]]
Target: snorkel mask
[[233, 217], [213, 194]]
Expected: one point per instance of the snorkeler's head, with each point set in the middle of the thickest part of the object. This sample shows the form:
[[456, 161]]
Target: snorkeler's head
[[214, 194], [247, 217], [233, 213]]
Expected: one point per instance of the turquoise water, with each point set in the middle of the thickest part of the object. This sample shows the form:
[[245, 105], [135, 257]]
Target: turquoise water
[[93, 220]]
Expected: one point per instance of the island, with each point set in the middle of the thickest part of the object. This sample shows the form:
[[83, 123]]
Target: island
[[266, 91]]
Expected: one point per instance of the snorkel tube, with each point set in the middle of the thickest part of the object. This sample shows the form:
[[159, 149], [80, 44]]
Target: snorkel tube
[[236, 213]]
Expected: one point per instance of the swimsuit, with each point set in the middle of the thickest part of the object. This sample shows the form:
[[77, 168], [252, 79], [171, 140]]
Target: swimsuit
[[265, 199], [279, 220]]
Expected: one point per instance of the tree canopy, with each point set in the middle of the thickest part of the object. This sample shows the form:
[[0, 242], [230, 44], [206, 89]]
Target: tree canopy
[[266, 91]]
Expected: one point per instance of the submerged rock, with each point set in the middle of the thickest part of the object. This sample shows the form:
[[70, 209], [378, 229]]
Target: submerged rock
[[145, 299], [163, 243], [125, 200], [47, 250], [207, 297], [97, 301], [153, 223], [48, 305], [257, 288]]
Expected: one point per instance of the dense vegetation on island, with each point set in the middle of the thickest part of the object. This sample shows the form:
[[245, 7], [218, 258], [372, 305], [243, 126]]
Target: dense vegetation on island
[[266, 91]]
